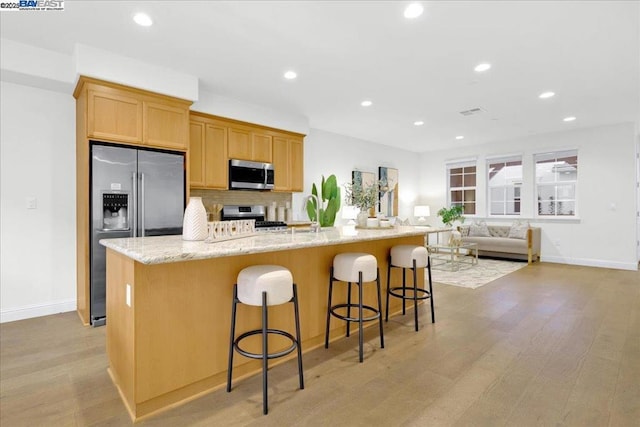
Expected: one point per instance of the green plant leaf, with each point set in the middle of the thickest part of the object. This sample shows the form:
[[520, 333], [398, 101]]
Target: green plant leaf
[[329, 215]]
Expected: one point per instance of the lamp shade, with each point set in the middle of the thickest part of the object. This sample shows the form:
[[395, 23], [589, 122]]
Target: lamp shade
[[421, 211], [350, 212]]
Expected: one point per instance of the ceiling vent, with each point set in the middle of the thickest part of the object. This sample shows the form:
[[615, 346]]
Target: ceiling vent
[[472, 112]]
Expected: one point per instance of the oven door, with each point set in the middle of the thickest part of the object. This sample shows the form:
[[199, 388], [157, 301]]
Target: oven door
[[246, 175]]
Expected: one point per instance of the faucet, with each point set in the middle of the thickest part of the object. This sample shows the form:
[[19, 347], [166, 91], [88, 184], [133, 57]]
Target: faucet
[[315, 225]]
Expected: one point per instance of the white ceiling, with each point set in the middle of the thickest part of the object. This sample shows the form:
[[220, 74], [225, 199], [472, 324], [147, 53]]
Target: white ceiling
[[587, 52]]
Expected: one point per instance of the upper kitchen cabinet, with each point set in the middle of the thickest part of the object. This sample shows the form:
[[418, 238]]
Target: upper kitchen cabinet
[[127, 115], [216, 140], [288, 163], [114, 115], [208, 159]]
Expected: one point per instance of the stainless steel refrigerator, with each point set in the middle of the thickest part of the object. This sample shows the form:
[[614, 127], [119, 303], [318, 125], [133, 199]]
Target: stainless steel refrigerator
[[134, 193]]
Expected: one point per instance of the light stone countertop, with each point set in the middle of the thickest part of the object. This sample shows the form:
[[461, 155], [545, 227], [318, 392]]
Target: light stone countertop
[[165, 249]]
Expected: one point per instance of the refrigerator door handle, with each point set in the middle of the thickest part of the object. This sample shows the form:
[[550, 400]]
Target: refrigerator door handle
[[142, 229], [134, 203]]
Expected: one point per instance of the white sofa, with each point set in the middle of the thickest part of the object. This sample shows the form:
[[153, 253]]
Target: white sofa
[[498, 244]]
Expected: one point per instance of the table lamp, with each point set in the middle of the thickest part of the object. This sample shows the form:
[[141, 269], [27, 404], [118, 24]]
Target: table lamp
[[421, 212], [350, 213]]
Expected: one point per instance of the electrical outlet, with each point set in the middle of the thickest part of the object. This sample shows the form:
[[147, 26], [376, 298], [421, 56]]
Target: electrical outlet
[[32, 203], [128, 295]]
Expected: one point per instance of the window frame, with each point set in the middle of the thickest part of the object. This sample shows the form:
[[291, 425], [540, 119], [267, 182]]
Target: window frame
[[553, 156], [463, 163], [505, 159]]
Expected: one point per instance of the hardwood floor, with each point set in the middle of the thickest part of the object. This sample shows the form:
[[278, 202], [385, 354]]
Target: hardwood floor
[[548, 345]]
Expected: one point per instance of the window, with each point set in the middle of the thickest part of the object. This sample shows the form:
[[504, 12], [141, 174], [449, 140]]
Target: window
[[504, 179], [556, 182], [462, 186]]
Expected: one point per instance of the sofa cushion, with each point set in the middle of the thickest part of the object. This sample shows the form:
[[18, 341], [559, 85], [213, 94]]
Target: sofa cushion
[[479, 229], [518, 230], [498, 244]]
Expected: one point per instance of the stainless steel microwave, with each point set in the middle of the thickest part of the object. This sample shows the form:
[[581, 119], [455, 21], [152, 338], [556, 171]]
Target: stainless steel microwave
[[246, 175]]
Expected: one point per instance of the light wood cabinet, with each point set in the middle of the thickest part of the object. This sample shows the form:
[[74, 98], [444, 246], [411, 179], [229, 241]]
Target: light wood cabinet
[[165, 125], [196, 154], [208, 159], [215, 140], [261, 147], [296, 163], [113, 115], [239, 144], [126, 115], [288, 164]]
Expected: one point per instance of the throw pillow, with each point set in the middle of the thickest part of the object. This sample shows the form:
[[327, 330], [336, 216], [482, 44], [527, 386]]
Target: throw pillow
[[464, 230], [518, 230], [479, 229]]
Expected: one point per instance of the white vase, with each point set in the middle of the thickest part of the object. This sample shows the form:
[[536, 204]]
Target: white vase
[[363, 215], [194, 225]]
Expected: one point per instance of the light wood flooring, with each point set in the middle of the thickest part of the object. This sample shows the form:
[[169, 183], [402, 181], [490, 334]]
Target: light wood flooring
[[548, 345]]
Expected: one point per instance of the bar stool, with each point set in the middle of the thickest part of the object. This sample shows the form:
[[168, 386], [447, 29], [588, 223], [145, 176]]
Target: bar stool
[[263, 286], [358, 268], [409, 257]]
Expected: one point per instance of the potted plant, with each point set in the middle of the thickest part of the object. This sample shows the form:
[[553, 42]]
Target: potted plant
[[363, 197], [328, 206], [452, 214]]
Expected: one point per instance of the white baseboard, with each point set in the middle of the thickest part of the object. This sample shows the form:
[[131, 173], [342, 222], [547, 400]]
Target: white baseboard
[[591, 262], [36, 310]]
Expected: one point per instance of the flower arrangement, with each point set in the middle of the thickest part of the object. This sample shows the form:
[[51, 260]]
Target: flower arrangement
[[363, 197]]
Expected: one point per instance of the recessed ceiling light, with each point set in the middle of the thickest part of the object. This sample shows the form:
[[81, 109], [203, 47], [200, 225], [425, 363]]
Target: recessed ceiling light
[[568, 119], [366, 103], [290, 75], [413, 10], [142, 19], [418, 123], [545, 95], [459, 137], [482, 67]]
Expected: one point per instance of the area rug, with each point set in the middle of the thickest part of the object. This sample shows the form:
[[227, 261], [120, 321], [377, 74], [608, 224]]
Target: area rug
[[487, 270]]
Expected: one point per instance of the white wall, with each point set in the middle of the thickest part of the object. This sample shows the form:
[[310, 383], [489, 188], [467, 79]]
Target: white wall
[[605, 233], [37, 154], [327, 153]]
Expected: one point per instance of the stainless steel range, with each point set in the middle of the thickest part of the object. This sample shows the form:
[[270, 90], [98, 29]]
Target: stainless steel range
[[231, 212]]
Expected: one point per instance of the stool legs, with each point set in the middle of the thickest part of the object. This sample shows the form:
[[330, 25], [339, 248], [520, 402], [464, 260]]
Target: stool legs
[[232, 336], [265, 353], [265, 356], [416, 291], [361, 319]]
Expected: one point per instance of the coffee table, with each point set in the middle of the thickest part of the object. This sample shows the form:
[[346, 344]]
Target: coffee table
[[449, 255]]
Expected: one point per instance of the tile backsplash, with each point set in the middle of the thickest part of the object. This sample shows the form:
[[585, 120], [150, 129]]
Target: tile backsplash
[[224, 197]]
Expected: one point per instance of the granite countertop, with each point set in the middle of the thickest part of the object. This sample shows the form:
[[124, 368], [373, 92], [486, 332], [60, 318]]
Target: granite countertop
[[165, 249]]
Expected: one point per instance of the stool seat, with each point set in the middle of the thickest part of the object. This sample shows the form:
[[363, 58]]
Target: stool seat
[[403, 256], [275, 280], [347, 266]]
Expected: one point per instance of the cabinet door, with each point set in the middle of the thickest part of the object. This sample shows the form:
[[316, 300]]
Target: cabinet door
[[196, 154], [239, 144], [114, 116], [296, 162], [216, 163], [281, 166], [261, 147], [165, 125]]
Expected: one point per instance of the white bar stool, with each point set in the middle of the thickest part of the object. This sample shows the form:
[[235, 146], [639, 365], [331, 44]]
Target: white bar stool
[[358, 268], [409, 257], [263, 286]]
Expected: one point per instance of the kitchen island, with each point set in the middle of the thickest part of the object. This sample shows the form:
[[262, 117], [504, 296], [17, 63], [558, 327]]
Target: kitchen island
[[169, 306]]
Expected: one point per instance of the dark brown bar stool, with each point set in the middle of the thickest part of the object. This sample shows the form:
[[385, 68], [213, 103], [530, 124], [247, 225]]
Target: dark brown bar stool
[[409, 257], [263, 286], [358, 268]]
